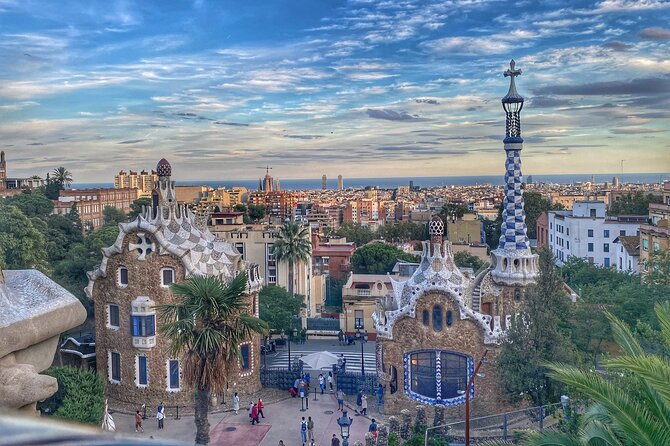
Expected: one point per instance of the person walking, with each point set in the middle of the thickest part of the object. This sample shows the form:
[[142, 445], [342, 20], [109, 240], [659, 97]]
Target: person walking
[[373, 428], [330, 381], [340, 399], [303, 431], [236, 403], [340, 337], [138, 422], [335, 441], [160, 415], [260, 407], [364, 404], [380, 394], [322, 383], [254, 415], [310, 428], [359, 401]]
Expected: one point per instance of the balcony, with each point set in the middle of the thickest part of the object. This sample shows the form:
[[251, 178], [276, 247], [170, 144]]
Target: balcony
[[363, 293]]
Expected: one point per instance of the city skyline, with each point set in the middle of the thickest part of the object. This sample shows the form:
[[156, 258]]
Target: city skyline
[[400, 89]]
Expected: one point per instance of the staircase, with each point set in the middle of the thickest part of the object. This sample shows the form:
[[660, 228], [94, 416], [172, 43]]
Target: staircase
[[477, 290]]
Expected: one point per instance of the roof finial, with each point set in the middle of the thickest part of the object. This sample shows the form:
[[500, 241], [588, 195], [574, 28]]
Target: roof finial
[[512, 94]]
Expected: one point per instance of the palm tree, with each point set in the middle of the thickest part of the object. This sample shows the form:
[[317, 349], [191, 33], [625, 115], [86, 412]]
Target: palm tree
[[205, 328], [631, 404], [63, 176], [292, 245]]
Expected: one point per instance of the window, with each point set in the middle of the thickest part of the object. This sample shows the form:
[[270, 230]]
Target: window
[[394, 379], [113, 316], [450, 318], [657, 247], [590, 233], [173, 375], [592, 213], [143, 326], [606, 247], [645, 244], [590, 247], [271, 263], [437, 318], [567, 244], [622, 232], [240, 248], [114, 367], [607, 262], [606, 233], [567, 231], [358, 321], [142, 371], [436, 381], [122, 276], [245, 351], [517, 294], [426, 317], [167, 277]]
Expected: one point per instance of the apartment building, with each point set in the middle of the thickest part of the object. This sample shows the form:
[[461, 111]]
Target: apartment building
[[655, 234], [90, 203]]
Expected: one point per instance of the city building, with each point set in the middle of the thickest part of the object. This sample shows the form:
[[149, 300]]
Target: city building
[[324, 182], [542, 230], [13, 186], [90, 203], [655, 234], [467, 229], [567, 200], [163, 246], [333, 257], [359, 296], [627, 254], [434, 327], [279, 205], [340, 182], [143, 182], [587, 232]]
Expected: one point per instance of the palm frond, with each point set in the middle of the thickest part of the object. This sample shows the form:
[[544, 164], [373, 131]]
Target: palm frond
[[598, 433], [623, 336], [662, 310], [552, 439]]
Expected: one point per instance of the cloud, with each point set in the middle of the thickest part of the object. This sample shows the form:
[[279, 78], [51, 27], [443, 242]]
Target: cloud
[[641, 86], [235, 124], [303, 136], [655, 34], [548, 102], [391, 115], [618, 46], [634, 130], [427, 101], [467, 45], [131, 141], [630, 5]]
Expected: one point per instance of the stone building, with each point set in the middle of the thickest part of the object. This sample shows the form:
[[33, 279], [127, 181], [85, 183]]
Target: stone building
[[91, 203], [435, 326], [162, 246]]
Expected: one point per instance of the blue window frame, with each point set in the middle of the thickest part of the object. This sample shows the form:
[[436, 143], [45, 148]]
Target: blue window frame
[[606, 233], [607, 262], [437, 318], [245, 351], [174, 374], [437, 376], [143, 326], [426, 317], [143, 372], [450, 318]]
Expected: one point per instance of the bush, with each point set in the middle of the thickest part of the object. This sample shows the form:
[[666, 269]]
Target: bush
[[79, 397]]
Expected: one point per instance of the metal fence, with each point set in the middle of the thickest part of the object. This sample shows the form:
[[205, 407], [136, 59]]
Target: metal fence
[[352, 382], [279, 378], [506, 426], [323, 324]]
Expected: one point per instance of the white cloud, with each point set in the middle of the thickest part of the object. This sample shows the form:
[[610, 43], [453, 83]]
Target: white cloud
[[467, 45]]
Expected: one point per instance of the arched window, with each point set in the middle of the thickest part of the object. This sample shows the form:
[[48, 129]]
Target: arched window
[[426, 317], [437, 318], [450, 318], [437, 376], [394, 379], [517, 294]]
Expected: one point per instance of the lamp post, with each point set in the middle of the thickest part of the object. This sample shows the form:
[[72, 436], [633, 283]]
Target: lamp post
[[345, 423], [467, 399]]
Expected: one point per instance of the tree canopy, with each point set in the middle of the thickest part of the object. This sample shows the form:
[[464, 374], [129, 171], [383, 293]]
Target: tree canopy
[[464, 259], [136, 207], [62, 176], [79, 397], [451, 210], [636, 203], [256, 212], [21, 244], [292, 245], [32, 204], [113, 216], [278, 307], [378, 258], [534, 205]]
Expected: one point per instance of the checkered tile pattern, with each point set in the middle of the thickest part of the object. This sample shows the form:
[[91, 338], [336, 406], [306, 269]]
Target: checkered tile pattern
[[513, 231]]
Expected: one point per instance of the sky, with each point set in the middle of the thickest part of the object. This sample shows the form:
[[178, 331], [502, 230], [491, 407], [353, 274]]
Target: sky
[[360, 88]]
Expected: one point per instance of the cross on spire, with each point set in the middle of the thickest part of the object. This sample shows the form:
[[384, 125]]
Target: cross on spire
[[512, 72]]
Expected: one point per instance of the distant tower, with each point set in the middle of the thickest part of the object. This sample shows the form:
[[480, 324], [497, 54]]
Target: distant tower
[[3, 171], [277, 186], [340, 182], [513, 262], [411, 184], [529, 180], [615, 183], [324, 182]]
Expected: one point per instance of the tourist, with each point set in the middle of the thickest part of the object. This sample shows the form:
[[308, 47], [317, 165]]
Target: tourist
[[254, 415], [340, 337], [310, 428], [260, 407], [330, 381], [340, 363], [344, 365], [303, 431], [160, 415], [236, 403], [364, 404], [373, 428], [359, 401], [340, 399], [322, 383], [380, 394], [138, 422], [335, 441]]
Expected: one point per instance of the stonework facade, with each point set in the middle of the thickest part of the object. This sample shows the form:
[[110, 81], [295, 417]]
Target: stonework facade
[[162, 246]]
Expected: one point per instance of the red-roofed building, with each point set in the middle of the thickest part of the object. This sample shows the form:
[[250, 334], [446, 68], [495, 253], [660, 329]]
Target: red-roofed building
[[332, 258]]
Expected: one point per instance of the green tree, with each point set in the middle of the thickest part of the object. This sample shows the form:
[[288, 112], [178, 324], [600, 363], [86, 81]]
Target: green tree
[[292, 245], [79, 397], [256, 212], [113, 216], [21, 245], [659, 269], [205, 328], [451, 210], [75, 218], [355, 232], [378, 258], [405, 231], [464, 259], [32, 204], [537, 335], [633, 204], [136, 207], [534, 205], [239, 207], [630, 406], [492, 229], [62, 176], [278, 307], [60, 233], [52, 188]]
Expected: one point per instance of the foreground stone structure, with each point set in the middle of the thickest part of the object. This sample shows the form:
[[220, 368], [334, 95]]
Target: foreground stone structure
[[34, 311], [435, 326], [162, 246]]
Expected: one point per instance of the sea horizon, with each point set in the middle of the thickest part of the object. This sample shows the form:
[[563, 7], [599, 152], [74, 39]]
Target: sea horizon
[[394, 182]]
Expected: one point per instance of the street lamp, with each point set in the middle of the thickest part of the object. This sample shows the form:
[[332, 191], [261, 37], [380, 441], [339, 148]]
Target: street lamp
[[363, 338], [467, 398], [345, 423]]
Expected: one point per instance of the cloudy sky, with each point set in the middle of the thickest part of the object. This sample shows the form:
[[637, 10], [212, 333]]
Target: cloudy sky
[[361, 88]]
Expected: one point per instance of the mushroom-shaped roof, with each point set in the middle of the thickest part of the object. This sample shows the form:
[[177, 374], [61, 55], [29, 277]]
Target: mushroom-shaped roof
[[436, 226], [163, 168]]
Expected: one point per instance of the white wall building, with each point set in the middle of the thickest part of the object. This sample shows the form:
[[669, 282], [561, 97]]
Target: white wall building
[[586, 232], [627, 250]]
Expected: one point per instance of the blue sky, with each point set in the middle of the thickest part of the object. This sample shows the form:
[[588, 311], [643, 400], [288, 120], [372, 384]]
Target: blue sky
[[359, 88]]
